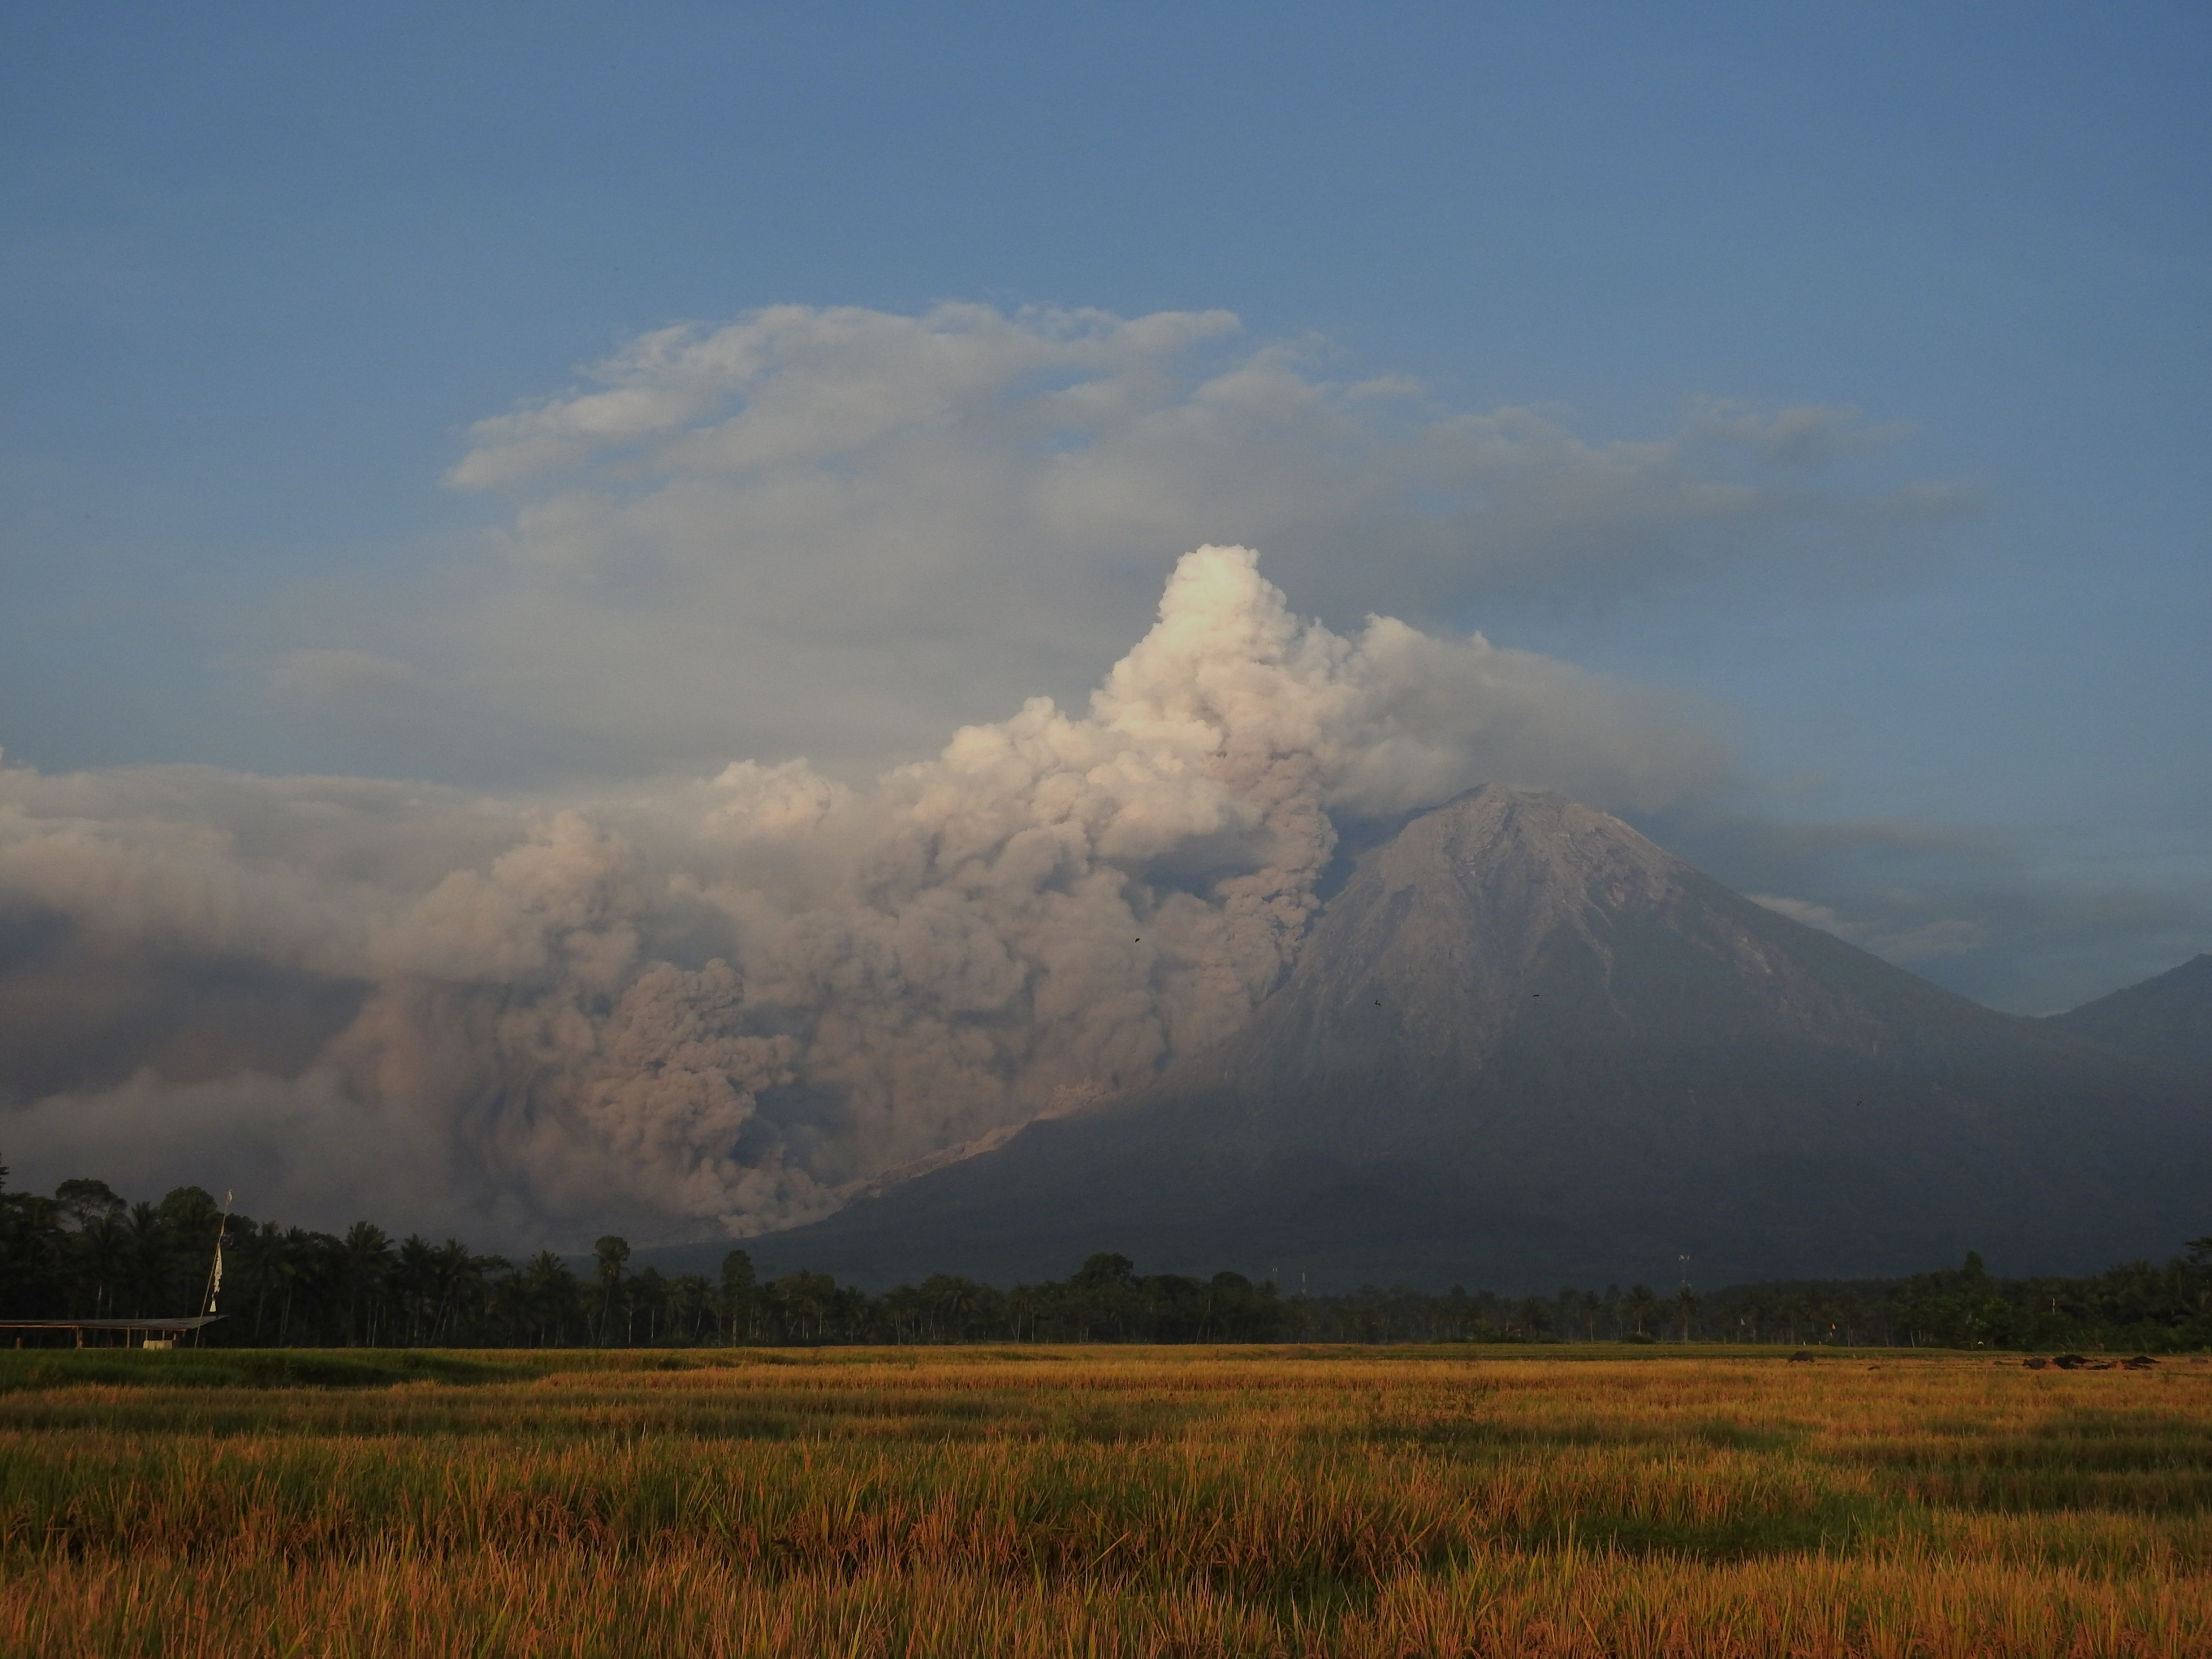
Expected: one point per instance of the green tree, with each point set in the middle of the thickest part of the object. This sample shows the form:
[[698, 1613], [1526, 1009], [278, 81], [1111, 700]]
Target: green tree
[[33, 1252], [463, 1281], [365, 1263], [265, 1260], [690, 1307], [1532, 1319], [949, 1305], [612, 1254], [740, 1296], [1643, 1303], [146, 1248], [102, 1248], [1102, 1294], [415, 1287], [806, 1304], [648, 1296], [1588, 1309], [551, 1299], [80, 1202]]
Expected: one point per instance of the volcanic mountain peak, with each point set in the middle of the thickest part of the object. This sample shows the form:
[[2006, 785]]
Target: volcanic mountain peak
[[1523, 1045], [1436, 938], [1530, 863], [1503, 907]]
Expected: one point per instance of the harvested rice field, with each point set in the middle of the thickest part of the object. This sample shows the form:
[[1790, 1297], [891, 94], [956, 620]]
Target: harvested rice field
[[1101, 1501]]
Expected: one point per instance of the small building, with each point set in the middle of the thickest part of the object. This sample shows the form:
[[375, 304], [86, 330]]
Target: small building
[[126, 1333]]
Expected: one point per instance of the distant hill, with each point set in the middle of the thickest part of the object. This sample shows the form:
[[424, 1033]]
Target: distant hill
[[2165, 1022], [1523, 1046]]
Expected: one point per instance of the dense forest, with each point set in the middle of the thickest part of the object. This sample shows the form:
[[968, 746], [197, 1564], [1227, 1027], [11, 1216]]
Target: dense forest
[[86, 1252]]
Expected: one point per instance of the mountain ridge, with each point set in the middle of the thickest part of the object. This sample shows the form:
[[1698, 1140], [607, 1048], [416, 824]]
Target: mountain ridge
[[2164, 1021], [1522, 1044]]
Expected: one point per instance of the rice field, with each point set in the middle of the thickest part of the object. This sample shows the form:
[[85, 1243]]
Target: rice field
[[1102, 1501]]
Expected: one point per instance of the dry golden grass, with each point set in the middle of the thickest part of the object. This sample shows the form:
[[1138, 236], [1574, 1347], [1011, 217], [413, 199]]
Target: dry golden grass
[[1116, 1501]]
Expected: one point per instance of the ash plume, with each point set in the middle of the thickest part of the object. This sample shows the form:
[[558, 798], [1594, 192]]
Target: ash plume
[[710, 1006]]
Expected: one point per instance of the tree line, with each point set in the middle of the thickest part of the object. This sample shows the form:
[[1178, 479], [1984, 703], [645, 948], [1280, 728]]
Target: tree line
[[87, 1252], [2138, 1306]]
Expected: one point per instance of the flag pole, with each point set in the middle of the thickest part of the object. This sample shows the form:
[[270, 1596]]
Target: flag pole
[[214, 1269]]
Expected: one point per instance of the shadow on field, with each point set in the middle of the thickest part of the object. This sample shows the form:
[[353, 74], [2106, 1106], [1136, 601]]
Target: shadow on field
[[237, 1368]]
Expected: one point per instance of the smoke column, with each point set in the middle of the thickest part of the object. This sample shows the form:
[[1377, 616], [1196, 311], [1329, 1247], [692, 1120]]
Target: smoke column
[[712, 1006]]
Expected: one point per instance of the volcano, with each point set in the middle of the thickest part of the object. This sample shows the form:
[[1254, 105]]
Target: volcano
[[1522, 1046]]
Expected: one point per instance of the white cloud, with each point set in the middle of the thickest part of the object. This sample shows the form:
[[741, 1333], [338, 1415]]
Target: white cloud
[[1949, 936], [840, 532]]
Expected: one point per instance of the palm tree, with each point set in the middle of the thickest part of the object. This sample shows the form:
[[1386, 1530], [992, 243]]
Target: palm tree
[[1591, 1310], [366, 1255], [306, 1256], [265, 1261], [551, 1294], [690, 1306], [464, 1287], [33, 1247], [947, 1299], [103, 1253], [1642, 1304], [508, 1303], [146, 1244], [809, 1302], [415, 1284], [1535, 1318], [611, 1252], [739, 1292], [648, 1294]]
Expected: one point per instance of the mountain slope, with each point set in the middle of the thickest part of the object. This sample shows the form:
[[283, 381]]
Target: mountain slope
[[1524, 1045], [2165, 1022]]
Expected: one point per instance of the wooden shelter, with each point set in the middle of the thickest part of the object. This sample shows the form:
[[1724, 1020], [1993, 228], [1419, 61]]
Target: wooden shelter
[[132, 1333]]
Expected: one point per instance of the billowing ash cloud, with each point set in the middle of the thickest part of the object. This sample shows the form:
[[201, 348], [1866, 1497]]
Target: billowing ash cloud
[[842, 532], [709, 1006]]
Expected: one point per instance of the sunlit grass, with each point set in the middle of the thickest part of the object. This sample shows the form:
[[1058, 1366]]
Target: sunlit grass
[[1165, 1501]]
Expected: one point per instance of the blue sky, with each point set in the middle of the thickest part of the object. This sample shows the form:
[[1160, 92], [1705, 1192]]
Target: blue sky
[[263, 269]]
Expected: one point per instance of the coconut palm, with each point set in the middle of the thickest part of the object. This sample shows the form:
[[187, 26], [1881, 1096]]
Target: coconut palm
[[102, 1249], [365, 1257], [611, 1252], [146, 1248]]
